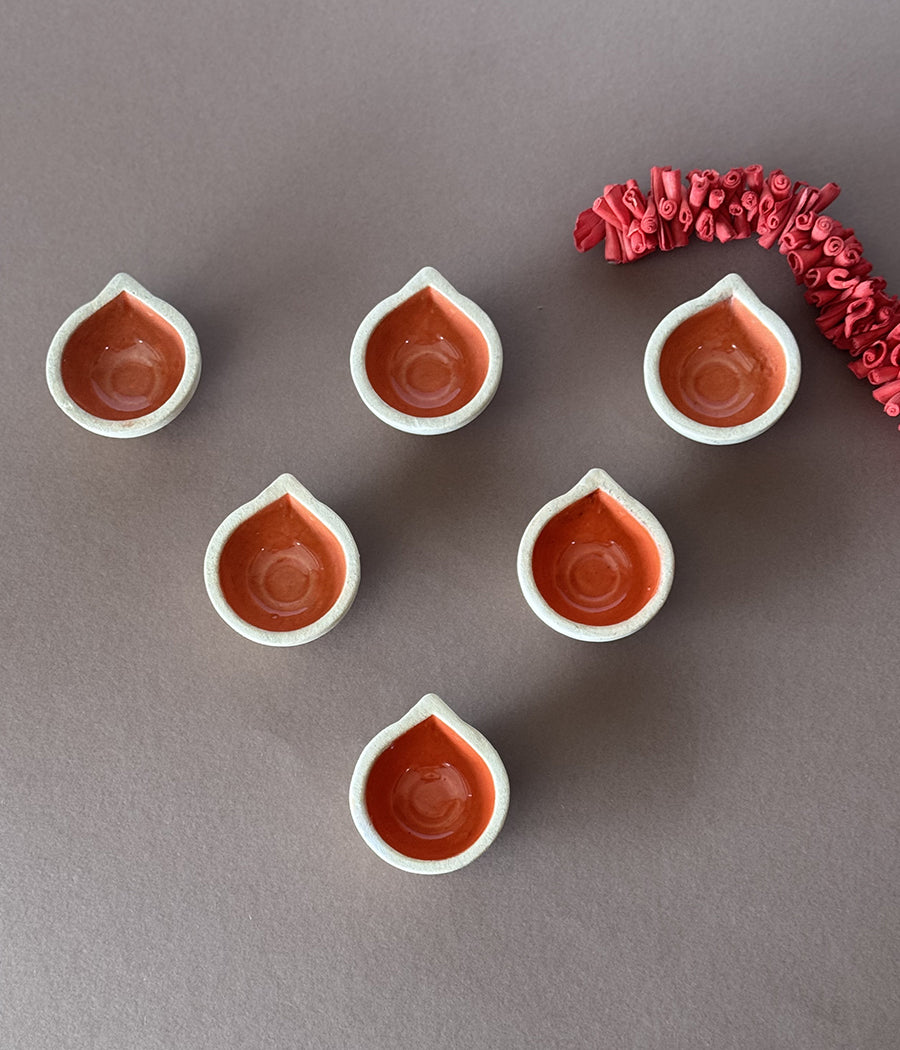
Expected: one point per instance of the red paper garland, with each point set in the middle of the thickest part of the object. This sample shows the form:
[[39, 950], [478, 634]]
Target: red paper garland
[[853, 311]]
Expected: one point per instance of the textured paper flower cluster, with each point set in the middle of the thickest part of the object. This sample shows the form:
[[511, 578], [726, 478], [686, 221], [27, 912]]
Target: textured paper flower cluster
[[854, 312]]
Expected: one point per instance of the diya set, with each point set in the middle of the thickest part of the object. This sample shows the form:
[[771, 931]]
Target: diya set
[[429, 793]]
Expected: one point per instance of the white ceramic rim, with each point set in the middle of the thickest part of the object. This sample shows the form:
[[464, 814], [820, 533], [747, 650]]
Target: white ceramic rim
[[736, 286], [141, 425], [284, 485], [427, 277], [430, 704], [591, 482]]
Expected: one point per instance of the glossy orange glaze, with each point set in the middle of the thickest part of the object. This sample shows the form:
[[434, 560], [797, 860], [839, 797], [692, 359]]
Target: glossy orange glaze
[[594, 563], [122, 362], [722, 366], [282, 568], [430, 795], [426, 358]]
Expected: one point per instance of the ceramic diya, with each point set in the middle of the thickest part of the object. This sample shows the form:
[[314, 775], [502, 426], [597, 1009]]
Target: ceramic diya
[[124, 364], [595, 564], [722, 368], [282, 569], [427, 360], [429, 793]]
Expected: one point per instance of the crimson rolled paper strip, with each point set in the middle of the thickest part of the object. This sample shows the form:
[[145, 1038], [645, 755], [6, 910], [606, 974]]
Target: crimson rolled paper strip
[[800, 203], [858, 368], [634, 200], [668, 209], [698, 192], [779, 184], [816, 276], [884, 374], [685, 220], [802, 259], [766, 205], [795, 240], [833, 313], [613, 244], [823, 227], [590, 230], [804, 221], [650, 220], [820, 297], [639, 242], [839, 277], [671, 183], [742, 228], [892, 406], [776, 223], [608, 210], [851, 252], [705, 225], [733, 179], [724, 230], [825, 196], [886, 391], [755, 178]]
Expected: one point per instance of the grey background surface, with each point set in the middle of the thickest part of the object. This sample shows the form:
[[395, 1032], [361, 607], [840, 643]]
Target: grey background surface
[[702, 845]]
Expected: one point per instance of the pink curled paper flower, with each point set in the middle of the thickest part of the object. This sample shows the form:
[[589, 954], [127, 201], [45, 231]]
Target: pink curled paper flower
[[668, 209], [823, 227], [723, 228], [802, 259], [685, 218], [650, 219], [634, 200], [698, 191], [705, 225], [892, 406], [750, 201], [851, 253], [775, 223], [886, 391], [639, 242], [739, 218], [590, 230], [804, 222], [884, 374], [755, 178], [779, 184], [733, 179]]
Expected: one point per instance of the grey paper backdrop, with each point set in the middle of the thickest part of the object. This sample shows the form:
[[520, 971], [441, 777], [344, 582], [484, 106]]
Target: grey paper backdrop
[[702, 845]]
